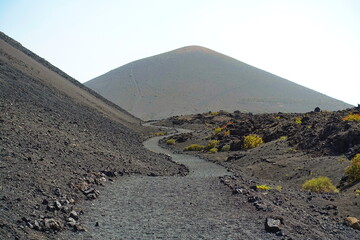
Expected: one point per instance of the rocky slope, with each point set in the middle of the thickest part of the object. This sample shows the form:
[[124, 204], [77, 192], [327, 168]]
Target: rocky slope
[[297, 147], [58, 142], [196, 79]]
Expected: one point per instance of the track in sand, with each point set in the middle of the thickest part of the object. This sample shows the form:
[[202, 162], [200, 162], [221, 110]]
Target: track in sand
[[197, 206]]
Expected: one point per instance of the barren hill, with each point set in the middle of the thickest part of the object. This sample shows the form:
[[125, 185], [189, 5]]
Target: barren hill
[[58, 141], [196, 79]]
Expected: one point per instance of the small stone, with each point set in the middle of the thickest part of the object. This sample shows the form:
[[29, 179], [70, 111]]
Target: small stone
[[30, 225], [65, 209], [70, 199], [74, 214], [57, 205], [79, 228], [253, 199], [50, 208], [37, 225], [352, 222], [71, 222], [272, 224], [261, 207], [57, 192], [51, 223], [88, 191], [96, 224]]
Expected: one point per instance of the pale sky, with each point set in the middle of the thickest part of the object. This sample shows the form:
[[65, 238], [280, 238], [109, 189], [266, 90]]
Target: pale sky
[[314, 43]]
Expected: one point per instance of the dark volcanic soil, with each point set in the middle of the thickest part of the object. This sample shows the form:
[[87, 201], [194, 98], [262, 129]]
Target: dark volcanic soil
[[55, 148], [320, 145], [61, 145]]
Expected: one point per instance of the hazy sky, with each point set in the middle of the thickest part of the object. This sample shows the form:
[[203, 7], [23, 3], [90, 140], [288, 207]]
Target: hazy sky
[[314, 43]]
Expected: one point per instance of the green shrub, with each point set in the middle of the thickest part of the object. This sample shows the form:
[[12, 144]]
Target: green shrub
[[298, 120], [353, 171], [213, 150], [319, 184], [170, 141], [282, 138], [217, 130], [352, 117], [252, 141], [159, 134], [225, 148], [263, 187], [212, 144], [227, 133], [194, 147]]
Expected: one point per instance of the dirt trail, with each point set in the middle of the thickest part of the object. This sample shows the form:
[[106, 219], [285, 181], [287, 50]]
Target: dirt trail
[[197, 206]]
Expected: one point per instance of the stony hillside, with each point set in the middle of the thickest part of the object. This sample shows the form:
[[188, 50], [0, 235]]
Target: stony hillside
[[275, 154], [196, 79], [59, 141]]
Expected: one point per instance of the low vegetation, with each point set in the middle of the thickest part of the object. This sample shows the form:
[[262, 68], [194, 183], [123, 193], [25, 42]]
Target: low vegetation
[[170, 141], [352, 117], [217, 130], [298, 120], [252, 141], [213, 150], [225, 148], [194, 147], [212, 144], [319, 184], [353, 171], [282, 138], [159, 134], [263, 187]]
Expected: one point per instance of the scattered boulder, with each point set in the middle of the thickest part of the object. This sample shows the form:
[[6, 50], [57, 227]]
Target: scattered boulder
[[57, 192], [53, 224], [74, 214], [71, 222], [272, 224], [57, 205], [109, 172], [79, 228], [352, 222]]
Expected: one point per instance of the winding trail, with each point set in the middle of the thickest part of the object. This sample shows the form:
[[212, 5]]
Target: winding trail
[[197, 206], [136, 85]]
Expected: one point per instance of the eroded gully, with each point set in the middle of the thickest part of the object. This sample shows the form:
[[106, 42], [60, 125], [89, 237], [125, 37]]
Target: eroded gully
[[197, 206]]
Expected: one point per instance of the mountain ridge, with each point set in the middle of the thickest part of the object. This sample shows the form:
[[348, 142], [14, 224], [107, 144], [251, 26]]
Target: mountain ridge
[[197, 79]]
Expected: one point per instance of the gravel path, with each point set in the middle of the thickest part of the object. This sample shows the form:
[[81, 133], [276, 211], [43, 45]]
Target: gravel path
[[197, 206]]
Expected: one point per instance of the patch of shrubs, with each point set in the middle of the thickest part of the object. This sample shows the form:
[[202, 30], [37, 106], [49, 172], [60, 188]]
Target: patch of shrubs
[[252, 141], [352, 117], [213, 150], [263, 187], [319, 184], [225, 148], [170, 141], [212, 144], [159, 134], [282, 138], [298, 120], [217, 130], [194, 147], [353, 171]]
